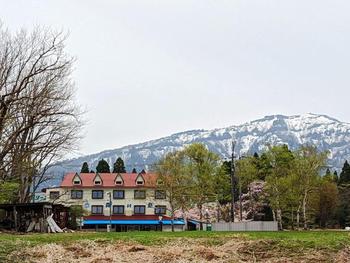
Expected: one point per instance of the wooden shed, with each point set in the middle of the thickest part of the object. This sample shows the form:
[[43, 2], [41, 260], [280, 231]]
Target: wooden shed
[[18, 217]]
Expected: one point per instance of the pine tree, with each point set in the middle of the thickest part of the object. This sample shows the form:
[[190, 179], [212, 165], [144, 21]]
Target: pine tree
[[134, 171], [335, 176], [92, 171], [143, 171], [103, 167], [344, 177], [118, 166], [85, 168]]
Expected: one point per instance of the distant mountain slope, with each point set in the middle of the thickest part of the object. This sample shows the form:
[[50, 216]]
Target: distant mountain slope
[[320, 130]]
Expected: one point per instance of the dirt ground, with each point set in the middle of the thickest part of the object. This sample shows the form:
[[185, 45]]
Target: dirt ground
[[179, 250]]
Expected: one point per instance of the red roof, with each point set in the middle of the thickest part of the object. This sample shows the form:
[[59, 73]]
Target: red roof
[[108, 180]]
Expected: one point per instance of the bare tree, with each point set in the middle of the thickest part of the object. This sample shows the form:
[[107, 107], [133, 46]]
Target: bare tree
[[39, 120]]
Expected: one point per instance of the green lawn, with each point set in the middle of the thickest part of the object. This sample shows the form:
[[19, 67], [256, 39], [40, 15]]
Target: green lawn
[[282, 241]]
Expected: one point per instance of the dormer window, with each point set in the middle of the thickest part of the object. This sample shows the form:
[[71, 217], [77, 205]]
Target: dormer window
[[119, 180], [140, 180], [98, 180], [76, 179]]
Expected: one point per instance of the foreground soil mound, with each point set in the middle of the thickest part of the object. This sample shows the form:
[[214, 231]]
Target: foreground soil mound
[[176, 250]]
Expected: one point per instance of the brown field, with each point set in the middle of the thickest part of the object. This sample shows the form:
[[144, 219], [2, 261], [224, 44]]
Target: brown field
[[165, 247]]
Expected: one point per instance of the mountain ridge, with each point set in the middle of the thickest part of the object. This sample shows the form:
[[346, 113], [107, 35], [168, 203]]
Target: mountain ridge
[[325, 132]]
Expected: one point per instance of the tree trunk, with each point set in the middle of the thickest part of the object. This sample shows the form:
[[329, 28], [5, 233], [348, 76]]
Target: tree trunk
[[200, 216], [304, 211], [298, 217], [274, 215], [240, 204], [279, 218]]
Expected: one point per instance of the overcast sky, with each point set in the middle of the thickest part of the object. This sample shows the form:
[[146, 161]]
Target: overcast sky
[[146, 69]]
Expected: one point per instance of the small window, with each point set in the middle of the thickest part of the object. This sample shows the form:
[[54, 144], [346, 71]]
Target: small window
[[139, 194], [54, 195], [139, 209], [160, 194], [160, 210], [76, 194], [76, 182], [119, 182], [118, 194], [97, 182], [97, 209], [97, 194], [118, 209], [139, 182]]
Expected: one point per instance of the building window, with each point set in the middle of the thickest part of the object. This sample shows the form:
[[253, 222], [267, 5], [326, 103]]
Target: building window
[[54, 195], [139, 182], [160, 210], [76, 182], [139, 209], [76, 194], [118, 194], [97, 182], [118, 209], [159, 194], [97, 209], [119, 182], [139, 194], [97, 194]]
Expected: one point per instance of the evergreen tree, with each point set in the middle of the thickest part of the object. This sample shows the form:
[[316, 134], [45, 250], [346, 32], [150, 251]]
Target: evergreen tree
[[143, 171], [344, 196], [256, 155], [343, 212], [85, 168], [344, 177], [335, 176], [118, 166], [328, 172], [134, 171], [92, 171], [103, 167]]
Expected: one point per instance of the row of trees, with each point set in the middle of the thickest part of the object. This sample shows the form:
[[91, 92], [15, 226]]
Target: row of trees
[[296, 188], [39, 120], [103, 167], [280, 184]]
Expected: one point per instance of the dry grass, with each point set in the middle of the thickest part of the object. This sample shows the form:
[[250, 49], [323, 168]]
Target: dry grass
[[176, 250]]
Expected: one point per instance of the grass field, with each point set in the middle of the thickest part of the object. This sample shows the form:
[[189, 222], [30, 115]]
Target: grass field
[[311, 246]]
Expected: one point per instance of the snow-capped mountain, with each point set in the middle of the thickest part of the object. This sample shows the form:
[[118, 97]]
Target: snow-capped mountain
[[320, 130]]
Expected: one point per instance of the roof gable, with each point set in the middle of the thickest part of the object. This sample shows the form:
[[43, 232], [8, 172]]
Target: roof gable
[[98, 180], [76, 180], [139, 180], [119, 179]]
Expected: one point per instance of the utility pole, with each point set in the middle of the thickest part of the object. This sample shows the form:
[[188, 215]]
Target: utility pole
[[233, 183]]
